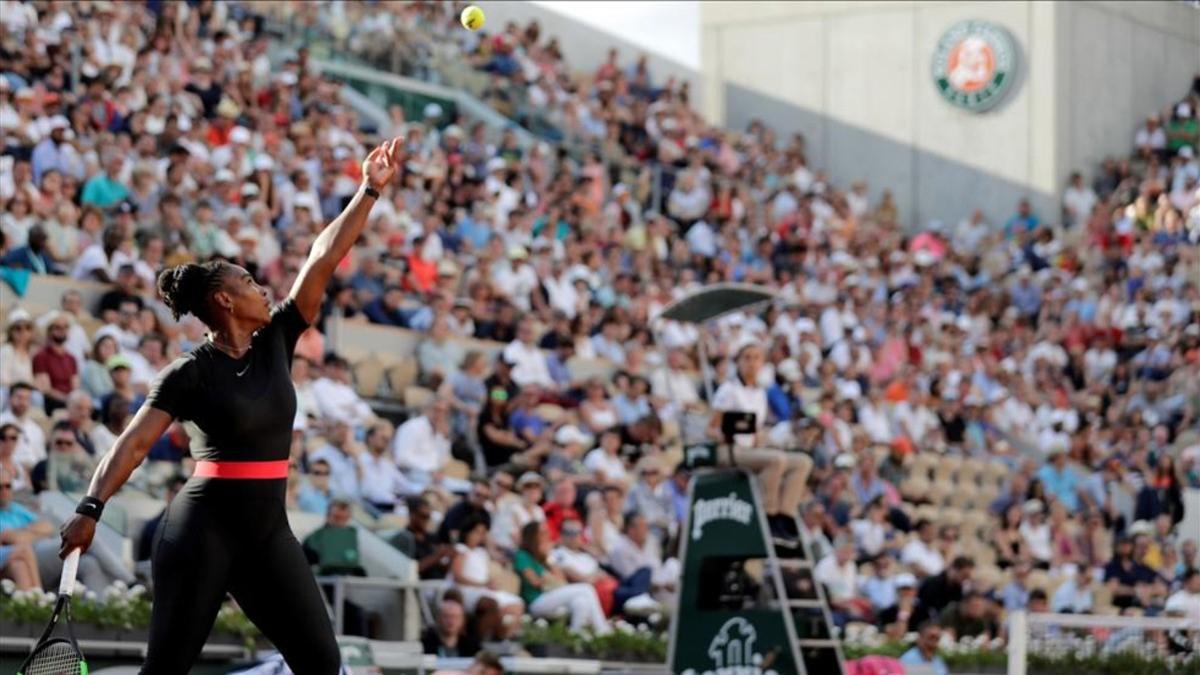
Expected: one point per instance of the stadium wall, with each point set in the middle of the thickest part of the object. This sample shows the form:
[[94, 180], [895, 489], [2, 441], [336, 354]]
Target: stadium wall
[[855, 79]]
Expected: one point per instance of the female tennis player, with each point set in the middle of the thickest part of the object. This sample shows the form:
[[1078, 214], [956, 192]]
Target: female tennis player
[[227, 530]]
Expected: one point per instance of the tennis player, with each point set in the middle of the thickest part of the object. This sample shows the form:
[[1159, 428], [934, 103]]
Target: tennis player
[[227, 530]]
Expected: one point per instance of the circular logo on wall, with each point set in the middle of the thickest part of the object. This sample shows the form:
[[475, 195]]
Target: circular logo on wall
[[974, 64]]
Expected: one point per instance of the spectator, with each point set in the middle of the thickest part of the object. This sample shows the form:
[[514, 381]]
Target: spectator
[[605, 462], [16, 354], [513, 515], [421, 447], [906, 615], [471, 572], [485, 663], [650, 497], [940, 590], [449, 637], [924, 653], [34, 256], [15, 474], [31, 448], [341, 453], [333, 547], [1132, 584], [437, 355], [55, 371], [335, 396], [1035, 533], [473, 506], [1016, 594], [529, 362], [380, 480], [1078, 201], [560, 507], [1024, 221], [67, 467], [969, 617], [545, 590], [1074, 594], [1059, 479], [315, 494], [415, 541], [1187, 598], [920, 552], [839, 575]]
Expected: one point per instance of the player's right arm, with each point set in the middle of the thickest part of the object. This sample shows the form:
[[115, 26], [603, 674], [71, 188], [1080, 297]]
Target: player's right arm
[[114, 469]]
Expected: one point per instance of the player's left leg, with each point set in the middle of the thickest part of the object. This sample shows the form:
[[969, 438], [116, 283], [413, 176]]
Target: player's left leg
[[275, 587]]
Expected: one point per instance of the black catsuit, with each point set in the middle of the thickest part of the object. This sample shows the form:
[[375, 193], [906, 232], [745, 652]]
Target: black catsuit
[[231, 535]]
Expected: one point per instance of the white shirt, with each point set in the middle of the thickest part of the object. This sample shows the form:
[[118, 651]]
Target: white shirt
[[925, 558], [869, 536], [340, 402], [701, 239], [1190, 601], [1037, 539], [599, 461], [579, 563], [516, 283], [93, 259], [381, 480], [841, 580], [1156, 139], [529, 364], [475, 569], [734, 396], [419, 447], [31, 447], [511, 516], [1080, 201]]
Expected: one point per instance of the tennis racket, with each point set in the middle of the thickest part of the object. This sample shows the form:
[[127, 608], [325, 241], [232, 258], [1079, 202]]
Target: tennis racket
[[58, 656]]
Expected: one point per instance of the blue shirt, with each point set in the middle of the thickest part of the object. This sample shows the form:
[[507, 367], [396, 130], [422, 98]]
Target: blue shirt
[[1028, 223], [1027, 299], [312, 500], [1062, 485], [16, 517], [1015, 597], [526, 419], [103, 191], [914, 657], [881, 592]]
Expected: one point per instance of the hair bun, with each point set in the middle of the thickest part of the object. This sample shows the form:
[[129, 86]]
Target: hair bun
[[182, 288]]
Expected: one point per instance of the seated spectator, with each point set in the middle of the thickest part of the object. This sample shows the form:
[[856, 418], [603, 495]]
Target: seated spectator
[[333, 547], [341, 453], [512, 515], [499, 442], [387, 309], [920, 552], [528, 361], [545, 589], [68, 467], [55, 370], [421, 447], [1059, 479], [839, 575], [449, 637], [21, 528], [1035, 533], [637, 559], [10, 435], [315, 494], [31, 447], [906, 615], [560, 507], [380, 480], [940, 590], [34, 255], [438, 355], [16, 354], [145, 544], [1015, 594], [880, 588], [1074, 594], [924, 653], [596, 411], [1187, 598], [115, 414], [417, 542], [471, 572], [605, 462], [335, 395], [1132, 584], [872, 533], [79, 411], [632, 401], [473, 505], [120, 369], [466, 392], [95, 378], [651, 498], [579, 565], [969, 617], [485, 663]]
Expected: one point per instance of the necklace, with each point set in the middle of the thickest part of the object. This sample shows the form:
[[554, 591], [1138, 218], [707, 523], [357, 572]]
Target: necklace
[[241, 352]]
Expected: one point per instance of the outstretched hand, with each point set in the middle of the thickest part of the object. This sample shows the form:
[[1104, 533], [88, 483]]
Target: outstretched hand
[[381, 164]]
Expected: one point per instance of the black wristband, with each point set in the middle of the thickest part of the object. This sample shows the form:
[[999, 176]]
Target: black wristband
[[370, 191], [90, 507]]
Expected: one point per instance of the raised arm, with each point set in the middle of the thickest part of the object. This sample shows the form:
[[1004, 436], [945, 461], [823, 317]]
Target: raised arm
[[335, 240], [127, 453]]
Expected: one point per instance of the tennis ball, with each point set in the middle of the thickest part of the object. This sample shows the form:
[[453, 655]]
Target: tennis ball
[[472, 17]]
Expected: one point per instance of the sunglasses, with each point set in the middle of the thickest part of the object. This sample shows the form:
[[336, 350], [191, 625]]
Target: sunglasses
[[63, 443], [320, 473], [10, 437]]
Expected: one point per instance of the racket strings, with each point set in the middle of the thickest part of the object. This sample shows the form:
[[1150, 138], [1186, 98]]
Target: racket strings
[[56, 658]]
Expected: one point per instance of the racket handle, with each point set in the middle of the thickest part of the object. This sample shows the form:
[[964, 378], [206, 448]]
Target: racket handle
[[66, 585]]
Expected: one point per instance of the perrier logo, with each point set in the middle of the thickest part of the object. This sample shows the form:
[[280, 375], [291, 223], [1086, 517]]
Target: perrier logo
[[974, 64]]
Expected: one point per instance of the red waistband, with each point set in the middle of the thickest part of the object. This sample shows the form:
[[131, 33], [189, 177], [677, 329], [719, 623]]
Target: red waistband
[[274, 469]]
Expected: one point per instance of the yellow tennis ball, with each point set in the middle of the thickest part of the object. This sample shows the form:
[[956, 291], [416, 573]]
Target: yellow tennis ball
[[472, 17]]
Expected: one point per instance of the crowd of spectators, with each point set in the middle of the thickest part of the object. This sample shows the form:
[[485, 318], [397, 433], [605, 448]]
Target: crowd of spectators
[[905, 361]]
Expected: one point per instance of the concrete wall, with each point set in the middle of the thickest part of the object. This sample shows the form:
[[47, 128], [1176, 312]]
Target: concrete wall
[[854, 77], [586, 47]]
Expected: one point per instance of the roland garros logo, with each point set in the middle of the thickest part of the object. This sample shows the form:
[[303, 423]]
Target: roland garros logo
[[706, 511], [974, 64]]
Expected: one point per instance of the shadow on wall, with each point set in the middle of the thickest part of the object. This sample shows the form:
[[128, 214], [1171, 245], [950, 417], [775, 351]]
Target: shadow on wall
[[926, 186]]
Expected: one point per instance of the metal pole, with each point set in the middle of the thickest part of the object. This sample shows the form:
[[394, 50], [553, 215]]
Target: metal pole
[[339, 606], [705, 373], [1017, 637]]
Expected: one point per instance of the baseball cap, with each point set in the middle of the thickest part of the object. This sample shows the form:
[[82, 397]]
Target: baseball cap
[[530, 478], [905, 580], [118, 361]]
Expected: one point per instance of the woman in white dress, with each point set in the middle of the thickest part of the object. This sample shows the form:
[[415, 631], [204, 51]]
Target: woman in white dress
[[471, 572]]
